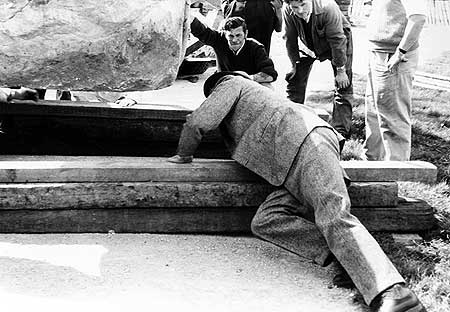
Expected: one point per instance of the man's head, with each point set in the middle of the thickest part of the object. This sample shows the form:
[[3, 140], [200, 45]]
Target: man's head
[[235, 31], [215, 78], [301, 8]]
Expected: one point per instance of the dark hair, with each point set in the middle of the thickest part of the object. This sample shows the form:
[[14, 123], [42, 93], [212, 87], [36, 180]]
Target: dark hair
[[234, 22], [212, 80]]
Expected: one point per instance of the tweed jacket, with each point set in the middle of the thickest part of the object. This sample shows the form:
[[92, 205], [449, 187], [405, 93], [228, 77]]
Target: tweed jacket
[[330, 33], [262, 130]]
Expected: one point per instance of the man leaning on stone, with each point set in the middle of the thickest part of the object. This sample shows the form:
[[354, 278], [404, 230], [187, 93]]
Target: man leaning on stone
[[234, 50], [309, 214]]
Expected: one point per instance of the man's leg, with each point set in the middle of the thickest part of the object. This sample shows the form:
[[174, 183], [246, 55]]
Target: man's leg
[[373, 147], [388, 108], [341, 118], [283, 221], [260, 18], [296, 87], [316, 180]]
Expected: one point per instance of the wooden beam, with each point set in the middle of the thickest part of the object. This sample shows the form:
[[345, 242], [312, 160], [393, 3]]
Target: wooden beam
[[40, 196], [47, 108], [21, 169], [409, 216], [141, 111]]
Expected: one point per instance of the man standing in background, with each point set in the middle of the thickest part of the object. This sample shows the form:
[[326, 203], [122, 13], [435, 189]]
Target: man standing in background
[[393, 29], [261, 16]]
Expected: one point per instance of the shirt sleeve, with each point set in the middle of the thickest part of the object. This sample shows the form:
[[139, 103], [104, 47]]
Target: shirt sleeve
[[208, 116], [290, 35], [413, 7], [334, 34], [204, 33], [264, 63]]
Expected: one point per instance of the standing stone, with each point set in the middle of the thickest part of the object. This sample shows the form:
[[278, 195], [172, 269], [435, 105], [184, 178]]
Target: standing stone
[[97, 45]]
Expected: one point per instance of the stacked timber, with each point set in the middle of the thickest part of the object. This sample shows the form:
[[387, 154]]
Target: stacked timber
[[148, 194], [105, 45], [140, 191], [99, 128]]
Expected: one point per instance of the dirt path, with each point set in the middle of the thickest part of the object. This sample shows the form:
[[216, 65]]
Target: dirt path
[[128, 272]]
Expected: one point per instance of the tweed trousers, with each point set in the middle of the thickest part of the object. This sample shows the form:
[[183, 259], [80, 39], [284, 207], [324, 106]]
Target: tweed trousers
[[310, 216], [388, 107]]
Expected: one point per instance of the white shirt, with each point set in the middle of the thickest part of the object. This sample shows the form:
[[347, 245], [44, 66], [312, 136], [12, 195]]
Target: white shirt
[[413, 7]]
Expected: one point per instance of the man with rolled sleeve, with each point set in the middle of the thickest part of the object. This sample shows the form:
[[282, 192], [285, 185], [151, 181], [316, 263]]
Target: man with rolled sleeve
[[318, 30], [393, 30]]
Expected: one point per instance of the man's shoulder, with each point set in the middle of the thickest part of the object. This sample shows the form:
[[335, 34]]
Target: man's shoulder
[[253, 43], [254, 46], [328, 6]]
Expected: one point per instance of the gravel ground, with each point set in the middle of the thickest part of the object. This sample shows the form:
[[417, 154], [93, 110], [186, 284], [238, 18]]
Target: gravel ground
[[144, 272]]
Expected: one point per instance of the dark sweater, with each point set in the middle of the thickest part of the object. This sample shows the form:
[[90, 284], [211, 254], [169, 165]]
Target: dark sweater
[[251, 59]]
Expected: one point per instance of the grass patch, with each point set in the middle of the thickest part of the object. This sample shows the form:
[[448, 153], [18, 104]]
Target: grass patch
[[425, 266]]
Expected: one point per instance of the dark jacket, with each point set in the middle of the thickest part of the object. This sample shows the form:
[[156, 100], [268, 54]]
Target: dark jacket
[[330, 33], [251, 59], [262, 129]]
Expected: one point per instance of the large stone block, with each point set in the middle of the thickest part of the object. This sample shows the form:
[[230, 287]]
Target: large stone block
[[108, 45]]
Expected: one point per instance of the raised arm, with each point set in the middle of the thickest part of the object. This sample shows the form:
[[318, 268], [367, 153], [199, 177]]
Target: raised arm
[[204, 33]]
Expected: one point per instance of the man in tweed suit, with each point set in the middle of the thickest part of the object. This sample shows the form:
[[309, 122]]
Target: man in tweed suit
[[292, 148]]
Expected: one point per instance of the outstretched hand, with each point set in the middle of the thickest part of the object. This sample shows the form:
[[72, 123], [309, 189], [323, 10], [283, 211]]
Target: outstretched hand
[[277, 4], [24, 94], [290, 75], [177, 159], [124, 101], [342, 80]]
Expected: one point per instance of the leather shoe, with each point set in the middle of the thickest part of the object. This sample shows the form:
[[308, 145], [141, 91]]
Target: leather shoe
[[398, 298]]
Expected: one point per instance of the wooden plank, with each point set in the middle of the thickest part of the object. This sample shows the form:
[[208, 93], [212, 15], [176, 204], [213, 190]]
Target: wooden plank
[[46, 108], [39, 196], [417, 171], [411, 216], [141, 169], [373, 194], [141, 111], [100, 128]]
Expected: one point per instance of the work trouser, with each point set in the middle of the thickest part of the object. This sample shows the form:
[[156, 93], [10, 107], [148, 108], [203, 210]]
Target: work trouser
[[341, 118], [388, 107], [315, 191]]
